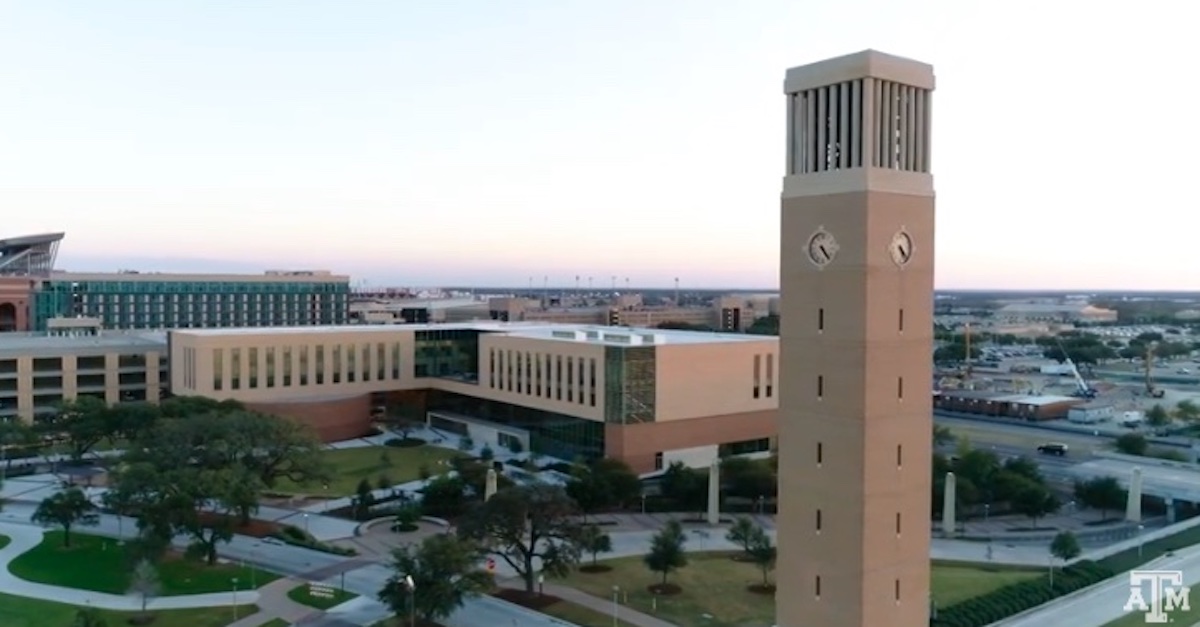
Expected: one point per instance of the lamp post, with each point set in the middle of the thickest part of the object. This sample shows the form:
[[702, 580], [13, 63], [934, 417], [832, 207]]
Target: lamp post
[[643, 503], [1141, 543], [235, 606], [305, 516], [987, 511], [616, 605], [411, 586], [541, 584]]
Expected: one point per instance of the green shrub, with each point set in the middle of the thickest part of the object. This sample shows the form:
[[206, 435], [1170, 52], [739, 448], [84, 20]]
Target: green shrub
[[1018, 597], [405, 442]]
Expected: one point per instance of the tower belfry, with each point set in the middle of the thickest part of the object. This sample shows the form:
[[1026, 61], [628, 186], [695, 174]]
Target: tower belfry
[[856, 344]]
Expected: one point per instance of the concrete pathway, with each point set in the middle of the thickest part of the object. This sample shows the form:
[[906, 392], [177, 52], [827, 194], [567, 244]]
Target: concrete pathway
[[273, 602], [25, 537]]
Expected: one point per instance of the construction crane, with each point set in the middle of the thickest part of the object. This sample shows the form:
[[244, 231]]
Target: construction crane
[[1149, 369], [1082, 389]]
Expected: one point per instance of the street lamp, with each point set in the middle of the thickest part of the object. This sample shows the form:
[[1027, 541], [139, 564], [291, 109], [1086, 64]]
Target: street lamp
[[1141, 543], [616, 605], [305, 516], [235, 606], [987, 511], [411, 586]]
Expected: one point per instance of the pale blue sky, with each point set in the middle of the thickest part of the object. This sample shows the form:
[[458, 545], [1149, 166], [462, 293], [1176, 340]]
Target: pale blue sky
[[474, 141]]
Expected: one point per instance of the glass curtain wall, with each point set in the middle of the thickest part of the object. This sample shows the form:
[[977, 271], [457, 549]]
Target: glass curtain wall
[[629, 384]]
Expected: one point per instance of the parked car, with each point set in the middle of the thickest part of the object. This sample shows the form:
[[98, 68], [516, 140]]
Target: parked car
[[1053, 448]]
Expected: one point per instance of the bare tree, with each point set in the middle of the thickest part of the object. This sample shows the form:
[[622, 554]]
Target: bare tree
[[144, 583]]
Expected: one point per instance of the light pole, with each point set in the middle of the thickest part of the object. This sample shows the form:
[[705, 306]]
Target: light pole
[[253, 582], [616, 605], [987, 511], [643, 503], [305, 516], [234, 581], [1141, 543], [411, 586]]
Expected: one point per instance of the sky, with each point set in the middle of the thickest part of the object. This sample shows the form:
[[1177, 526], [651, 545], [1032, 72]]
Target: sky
[[480, 142]]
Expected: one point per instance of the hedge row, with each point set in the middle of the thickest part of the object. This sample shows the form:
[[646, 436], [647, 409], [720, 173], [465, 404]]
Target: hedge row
[[1018, 597]]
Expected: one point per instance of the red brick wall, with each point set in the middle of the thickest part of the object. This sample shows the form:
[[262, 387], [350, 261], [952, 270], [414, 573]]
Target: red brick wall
[[333, 420], [637, 444]]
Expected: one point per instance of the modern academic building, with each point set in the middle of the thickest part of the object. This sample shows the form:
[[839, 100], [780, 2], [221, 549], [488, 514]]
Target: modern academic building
[[647, 396]]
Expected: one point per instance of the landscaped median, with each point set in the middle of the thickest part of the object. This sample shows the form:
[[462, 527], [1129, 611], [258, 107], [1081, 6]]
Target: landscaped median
[[99, 564], [377, 464], [321, 597], [720, 588]]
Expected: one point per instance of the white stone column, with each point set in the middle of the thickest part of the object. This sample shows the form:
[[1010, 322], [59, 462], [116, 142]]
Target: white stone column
[[714, 492], [949, 524], [489, 488], [1133, 508]]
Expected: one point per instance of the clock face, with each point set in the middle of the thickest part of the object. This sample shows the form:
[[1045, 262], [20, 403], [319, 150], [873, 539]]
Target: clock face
[[901, 248], [822, 248]]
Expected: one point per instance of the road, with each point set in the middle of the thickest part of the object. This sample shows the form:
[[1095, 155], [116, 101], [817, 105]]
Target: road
[[1105, 602], [983, 434], [361, 576]]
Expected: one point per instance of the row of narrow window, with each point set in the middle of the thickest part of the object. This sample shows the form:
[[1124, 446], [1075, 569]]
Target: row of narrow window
[[553, 377], [289, 366], [764, 387]]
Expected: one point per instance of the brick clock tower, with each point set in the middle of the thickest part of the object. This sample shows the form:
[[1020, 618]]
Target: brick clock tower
[[856, 345]]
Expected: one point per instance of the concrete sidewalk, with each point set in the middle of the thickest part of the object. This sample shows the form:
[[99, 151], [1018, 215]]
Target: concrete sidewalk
[[625, 613], [25, 537], [273, 602]]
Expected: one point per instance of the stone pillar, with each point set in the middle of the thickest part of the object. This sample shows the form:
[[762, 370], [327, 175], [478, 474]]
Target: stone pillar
[[489, 488], [1133, 508], [949, 496], [714, 493]]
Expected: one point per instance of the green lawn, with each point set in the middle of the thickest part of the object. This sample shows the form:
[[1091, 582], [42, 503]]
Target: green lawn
[[351, 465], [275, 622], [300, 594], [23, 612], [99, 564], [714, 584], [4, 540]]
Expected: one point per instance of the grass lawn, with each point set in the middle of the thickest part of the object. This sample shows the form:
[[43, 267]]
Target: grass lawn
[[300, 594], [275, 622], [351, 465], [710, 585], [96, 563], [23, 612], [4, 540]]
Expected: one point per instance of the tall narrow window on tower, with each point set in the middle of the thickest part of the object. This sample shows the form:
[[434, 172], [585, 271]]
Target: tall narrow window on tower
[[825, 129], [820, 387], [901, 125], [820, 318]]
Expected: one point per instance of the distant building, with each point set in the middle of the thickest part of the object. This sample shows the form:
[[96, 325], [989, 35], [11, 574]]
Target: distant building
[[32, 295], [1089, 413], [1046, 312]]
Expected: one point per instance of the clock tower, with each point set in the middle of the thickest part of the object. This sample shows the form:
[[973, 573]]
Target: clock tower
[[856, 345]]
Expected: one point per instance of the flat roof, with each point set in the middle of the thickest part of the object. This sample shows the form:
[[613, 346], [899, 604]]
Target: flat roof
[[1036, 399], [42, 345], [271, 276], [550, 331]]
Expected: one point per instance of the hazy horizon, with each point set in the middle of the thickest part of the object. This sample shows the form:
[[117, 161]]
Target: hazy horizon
[[477, 142]]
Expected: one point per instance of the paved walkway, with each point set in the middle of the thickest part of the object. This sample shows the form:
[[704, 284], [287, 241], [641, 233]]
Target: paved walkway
[[273, 602]]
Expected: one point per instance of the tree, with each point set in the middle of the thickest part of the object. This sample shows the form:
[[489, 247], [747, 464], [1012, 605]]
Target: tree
[[686, 486], [88, 617], [443, 572], [766, 325], [603, 484], [742, 533], [942, 436], [526, 524], [763, 553], [18, 441], [1101, 493], [1158, 416], [1187, 411], [1065, 546], [364, 499], [666, 550], [1132, 444], [67, 509], [593, 541], [444, 496], [747, 478], [85, 421], [144, 583], [1035, 501], [131, 420]]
